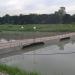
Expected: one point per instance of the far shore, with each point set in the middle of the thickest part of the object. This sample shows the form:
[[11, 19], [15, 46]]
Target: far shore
[[28, 35]]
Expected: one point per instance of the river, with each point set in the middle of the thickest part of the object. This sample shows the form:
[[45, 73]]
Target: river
[[53, 58]]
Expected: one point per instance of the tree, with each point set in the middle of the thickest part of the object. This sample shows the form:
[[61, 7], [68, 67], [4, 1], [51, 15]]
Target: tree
[[67, 18]]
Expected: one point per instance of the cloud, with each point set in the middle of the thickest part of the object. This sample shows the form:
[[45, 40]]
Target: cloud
[[14, 7], [70, 9]]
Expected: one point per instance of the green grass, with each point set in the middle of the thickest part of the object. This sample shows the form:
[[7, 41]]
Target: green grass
[[40, 27], [14, 71]]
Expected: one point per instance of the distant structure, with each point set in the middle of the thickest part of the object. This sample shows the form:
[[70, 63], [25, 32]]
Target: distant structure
[[61, 11]]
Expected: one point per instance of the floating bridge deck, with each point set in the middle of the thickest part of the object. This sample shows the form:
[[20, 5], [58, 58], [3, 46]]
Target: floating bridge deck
[[11, 44]]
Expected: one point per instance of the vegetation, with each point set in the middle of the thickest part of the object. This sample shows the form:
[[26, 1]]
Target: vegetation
[[38, 19], [14, 71], [39, 27]]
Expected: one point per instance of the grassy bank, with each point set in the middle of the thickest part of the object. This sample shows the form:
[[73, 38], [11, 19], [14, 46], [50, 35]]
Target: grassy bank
[[40, 27], [14, 71]]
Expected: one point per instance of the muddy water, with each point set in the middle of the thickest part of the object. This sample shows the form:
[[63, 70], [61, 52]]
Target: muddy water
[[53, 58]]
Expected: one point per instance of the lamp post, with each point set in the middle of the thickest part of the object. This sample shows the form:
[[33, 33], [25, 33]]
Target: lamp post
[[22, 27], [34, 34]]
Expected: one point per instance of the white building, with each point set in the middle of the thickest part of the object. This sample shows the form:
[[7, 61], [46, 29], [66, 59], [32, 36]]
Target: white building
[[62, 11]]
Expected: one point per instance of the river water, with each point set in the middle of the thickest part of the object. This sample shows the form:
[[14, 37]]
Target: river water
[[53, 58]]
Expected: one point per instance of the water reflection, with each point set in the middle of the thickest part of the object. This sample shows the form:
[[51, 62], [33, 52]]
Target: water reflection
[[63, 43]]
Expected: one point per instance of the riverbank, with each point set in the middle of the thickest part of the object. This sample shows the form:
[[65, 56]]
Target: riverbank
[[39, 27], [7, 70]]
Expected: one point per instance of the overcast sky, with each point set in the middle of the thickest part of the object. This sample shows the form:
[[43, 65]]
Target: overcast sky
[[14, 7]]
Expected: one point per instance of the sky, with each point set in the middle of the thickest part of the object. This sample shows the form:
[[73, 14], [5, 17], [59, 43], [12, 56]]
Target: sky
[[16, 7]]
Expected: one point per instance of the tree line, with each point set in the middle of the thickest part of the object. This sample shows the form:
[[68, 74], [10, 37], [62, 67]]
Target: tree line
[[38, 19]]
